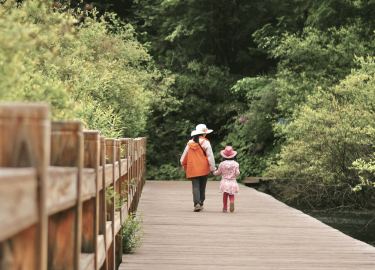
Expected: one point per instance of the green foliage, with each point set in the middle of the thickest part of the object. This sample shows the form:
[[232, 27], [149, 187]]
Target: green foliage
[[313, 59], [85, 70], [366, 172], [327, 13], [111, 194], [131, 233], [198, 96], [166, 172], [306, 113], [213, 32], [333, 129], [252, 132]]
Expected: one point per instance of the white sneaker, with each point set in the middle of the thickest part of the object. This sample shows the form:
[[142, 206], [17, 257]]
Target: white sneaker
[[197, 207]]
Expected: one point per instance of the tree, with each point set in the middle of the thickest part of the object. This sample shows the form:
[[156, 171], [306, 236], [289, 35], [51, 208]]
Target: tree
[[83, 71], [333, 129]]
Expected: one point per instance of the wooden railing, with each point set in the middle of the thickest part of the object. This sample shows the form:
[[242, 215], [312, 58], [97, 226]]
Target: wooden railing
[[64, 193]]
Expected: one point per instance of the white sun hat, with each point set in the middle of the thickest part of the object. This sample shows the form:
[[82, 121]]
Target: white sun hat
[[201, 129]]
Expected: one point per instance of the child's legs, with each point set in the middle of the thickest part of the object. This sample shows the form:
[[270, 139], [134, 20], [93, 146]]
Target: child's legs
[[231, 198], [225, 200]]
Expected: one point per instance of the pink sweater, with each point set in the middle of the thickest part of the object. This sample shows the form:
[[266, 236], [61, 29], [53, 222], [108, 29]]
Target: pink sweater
[[228, 169]]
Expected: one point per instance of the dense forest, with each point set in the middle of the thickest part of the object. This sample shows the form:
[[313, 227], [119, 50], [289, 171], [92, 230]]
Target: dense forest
[[289, 84]]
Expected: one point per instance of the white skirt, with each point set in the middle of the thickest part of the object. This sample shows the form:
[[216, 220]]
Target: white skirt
[[229, 186]]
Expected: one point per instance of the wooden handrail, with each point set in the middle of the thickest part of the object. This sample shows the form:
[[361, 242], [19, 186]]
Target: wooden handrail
[[63, 176]]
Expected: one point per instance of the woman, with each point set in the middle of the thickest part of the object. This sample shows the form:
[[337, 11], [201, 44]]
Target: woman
[[198, 161]]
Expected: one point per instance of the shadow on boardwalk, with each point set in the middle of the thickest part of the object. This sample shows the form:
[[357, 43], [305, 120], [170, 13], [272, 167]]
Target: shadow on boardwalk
[[262, 233]]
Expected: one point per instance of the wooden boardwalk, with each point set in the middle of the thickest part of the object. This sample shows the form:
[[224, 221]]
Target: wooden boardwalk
[[262, 233]]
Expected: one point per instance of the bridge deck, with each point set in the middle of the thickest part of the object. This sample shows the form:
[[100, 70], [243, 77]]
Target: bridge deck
[[262, 233]]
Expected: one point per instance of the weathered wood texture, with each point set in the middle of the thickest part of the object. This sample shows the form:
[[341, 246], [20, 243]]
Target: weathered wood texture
[[261, 234], [53, 193], [64, 226], [25, 142], [90, 208]]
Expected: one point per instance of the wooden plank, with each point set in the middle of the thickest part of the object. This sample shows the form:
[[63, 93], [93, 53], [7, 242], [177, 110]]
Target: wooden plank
[[117, 221], [86, 261], [25, 142], [111, 153], [89, 232], [126, 188], [102, 202], [61, 189], [90, 211], [118, 184], [66, 151], [117, 171], [124, 166], [19, 252], [91, 148], [256, 179], [100, 180], [109, 234], [108, 174], [101, 251], [62, 240], [89, 183], [124, 215], [111, 257], [261, 234], [18, 200]]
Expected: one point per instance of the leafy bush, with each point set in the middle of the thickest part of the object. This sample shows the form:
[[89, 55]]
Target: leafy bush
[[333, 129], [366, 171], [313, 59], [252, 133], [131, 233], [200, 95], [93, 69], [165, 172]]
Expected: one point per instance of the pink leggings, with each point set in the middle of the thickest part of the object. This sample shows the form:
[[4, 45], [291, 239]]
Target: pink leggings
[[225, 199]]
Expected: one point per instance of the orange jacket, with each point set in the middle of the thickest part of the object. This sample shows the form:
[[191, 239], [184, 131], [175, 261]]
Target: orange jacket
[[195, 161]]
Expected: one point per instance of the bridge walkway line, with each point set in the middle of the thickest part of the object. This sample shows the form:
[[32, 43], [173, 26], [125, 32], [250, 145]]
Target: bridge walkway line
[[262, 233]]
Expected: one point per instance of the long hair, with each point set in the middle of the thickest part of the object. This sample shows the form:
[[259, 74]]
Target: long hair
[[196, 138]]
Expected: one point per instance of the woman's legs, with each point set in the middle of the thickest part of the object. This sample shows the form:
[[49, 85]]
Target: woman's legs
[[202, 188], [196, 192], [199, 191]]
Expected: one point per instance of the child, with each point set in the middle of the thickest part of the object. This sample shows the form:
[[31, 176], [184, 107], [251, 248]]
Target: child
[[229, 169]]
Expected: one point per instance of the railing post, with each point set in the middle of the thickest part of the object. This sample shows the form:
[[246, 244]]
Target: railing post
[[64, 250], [111, 155], [64, 188], [90, 208], [102, 199], [25, 142], [133, 174], [125, 180]]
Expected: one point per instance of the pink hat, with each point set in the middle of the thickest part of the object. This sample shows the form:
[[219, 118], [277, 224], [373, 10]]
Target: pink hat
[[228, 152]]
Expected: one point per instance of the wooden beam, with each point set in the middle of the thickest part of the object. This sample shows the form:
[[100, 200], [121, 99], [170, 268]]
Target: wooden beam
[[103, 205], [18, 200], [64, 228], [111, 153], [25, 142], [90, 211]]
